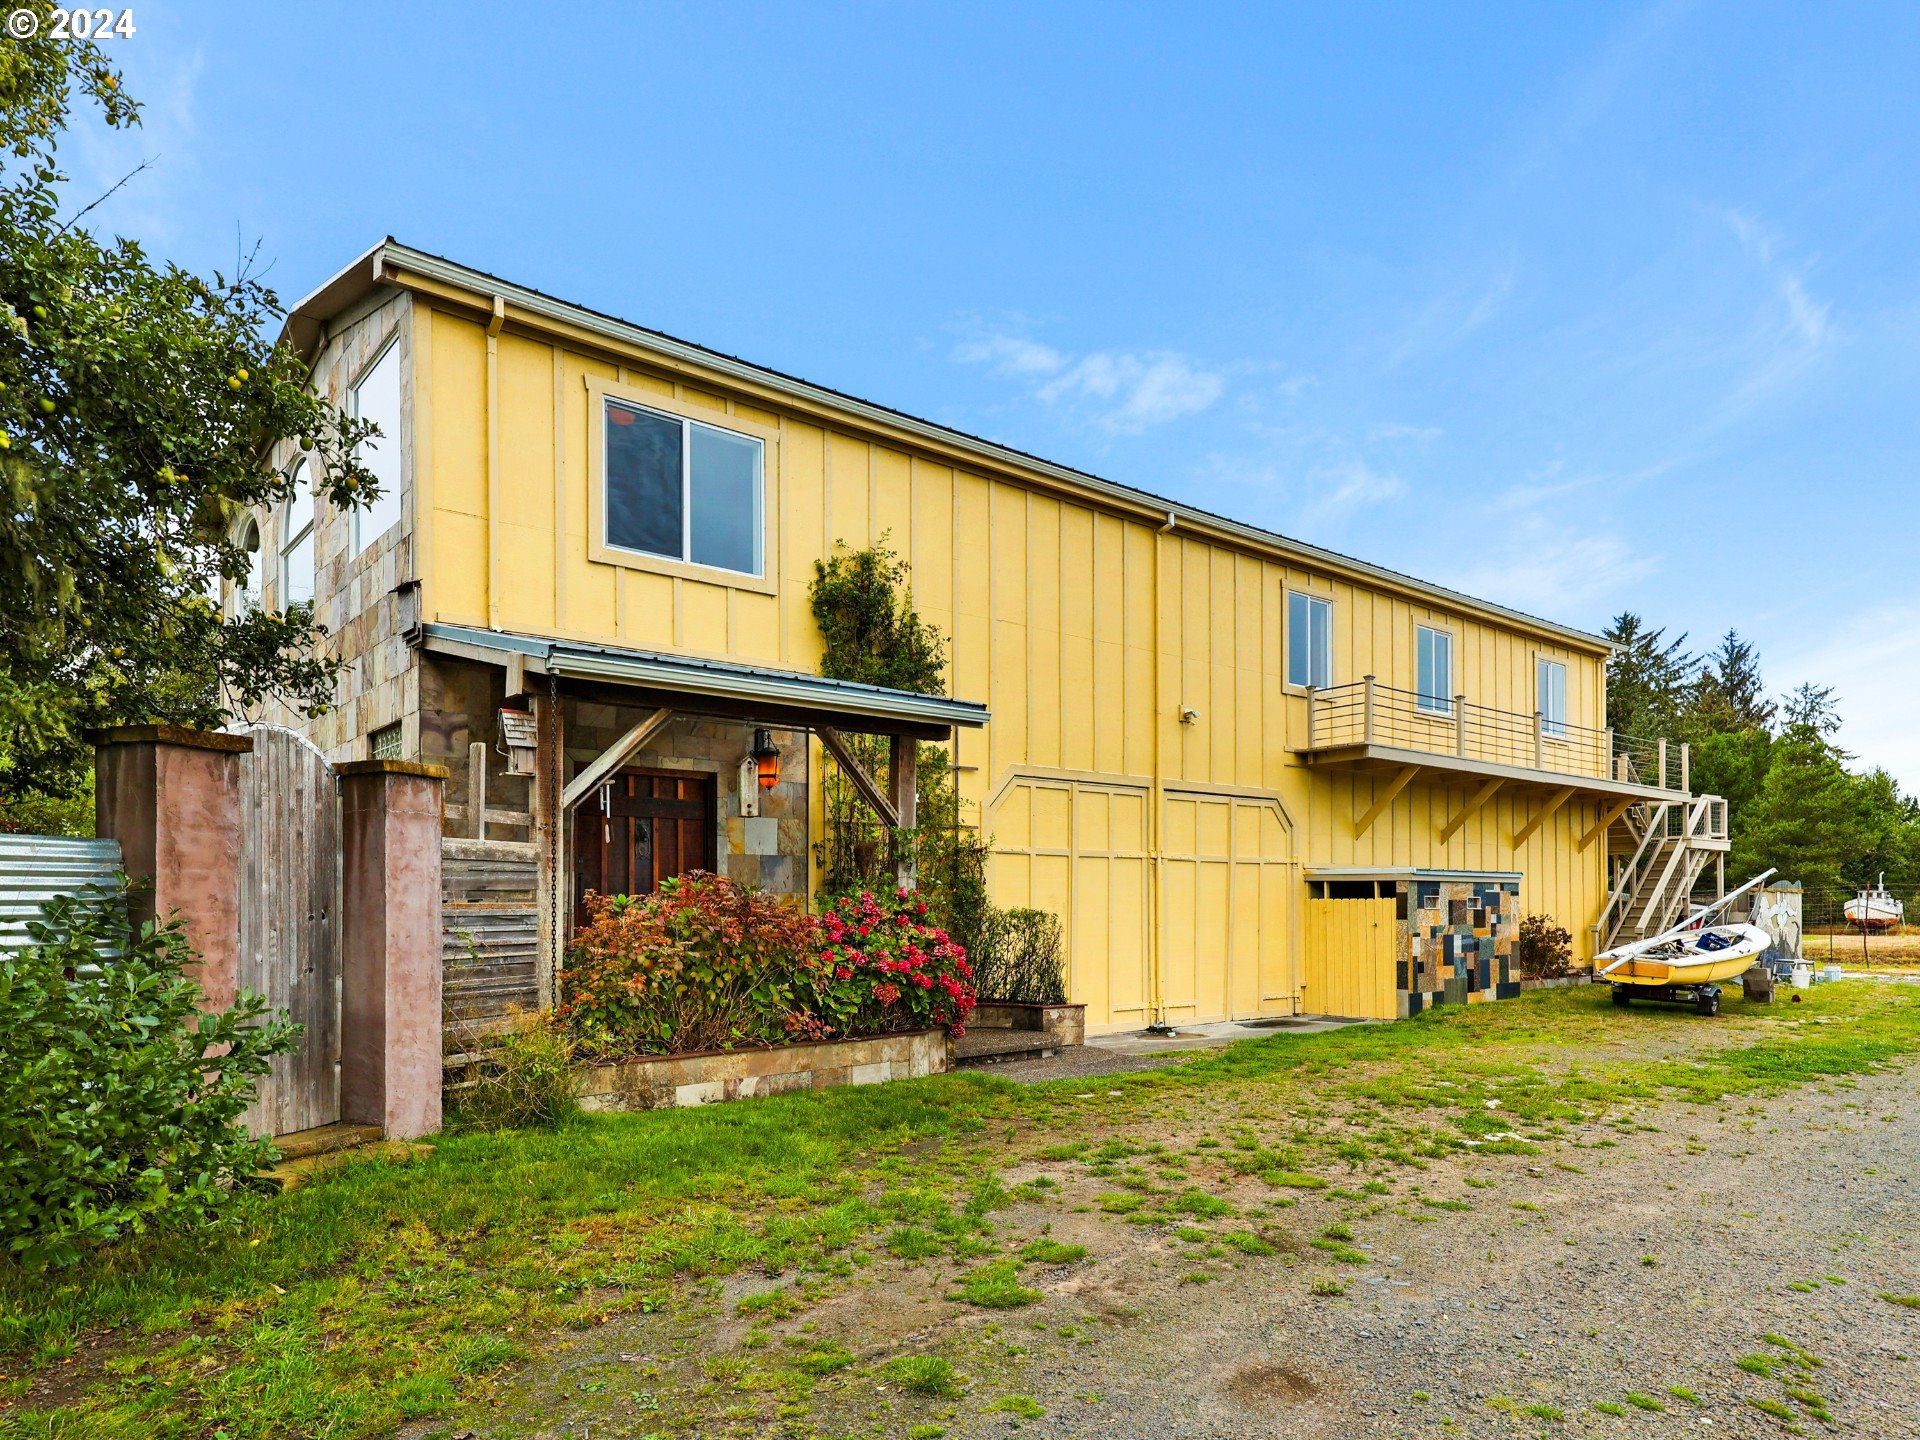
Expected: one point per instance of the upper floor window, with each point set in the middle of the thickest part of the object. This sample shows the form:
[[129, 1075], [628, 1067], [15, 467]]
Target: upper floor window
[[1550, 698], [296, 541], [376, 397], [1434, 661], [683, 490], [1309, 640]]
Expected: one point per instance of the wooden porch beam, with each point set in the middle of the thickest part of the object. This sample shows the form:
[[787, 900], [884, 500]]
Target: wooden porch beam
[[1384, 799], [1554, 802], [903, 776], [868, 787], [1605, 822], [1480, 797], [613, 758]]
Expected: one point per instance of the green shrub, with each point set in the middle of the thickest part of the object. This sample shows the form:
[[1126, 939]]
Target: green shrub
[[1023, 958], [923, 1375], [120, 1098], [1543, 950], [525, 1082]]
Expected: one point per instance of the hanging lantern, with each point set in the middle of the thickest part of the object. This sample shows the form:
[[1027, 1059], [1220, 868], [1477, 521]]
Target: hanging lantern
[[766, 755]]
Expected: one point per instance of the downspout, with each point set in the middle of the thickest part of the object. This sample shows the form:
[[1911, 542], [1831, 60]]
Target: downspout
[[1156, 990]]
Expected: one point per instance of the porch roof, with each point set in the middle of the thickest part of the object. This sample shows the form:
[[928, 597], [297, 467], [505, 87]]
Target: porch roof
[[833, 701]]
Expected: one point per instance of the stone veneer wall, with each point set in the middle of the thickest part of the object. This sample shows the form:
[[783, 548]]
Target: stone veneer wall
[[768, 851], [358, 598], [670, 1080], [460, 703], [1456, 942]]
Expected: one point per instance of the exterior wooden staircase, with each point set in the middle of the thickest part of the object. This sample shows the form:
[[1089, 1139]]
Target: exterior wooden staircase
[[1660, 851]]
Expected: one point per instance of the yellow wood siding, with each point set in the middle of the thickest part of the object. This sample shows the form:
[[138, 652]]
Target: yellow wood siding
[[1087, 629], [1348, 964]]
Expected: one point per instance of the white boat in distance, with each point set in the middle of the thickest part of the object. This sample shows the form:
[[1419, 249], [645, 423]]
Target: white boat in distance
[[1875, 909]]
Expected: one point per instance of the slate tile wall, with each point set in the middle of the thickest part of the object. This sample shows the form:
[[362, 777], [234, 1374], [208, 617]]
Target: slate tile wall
[[1456, 942]]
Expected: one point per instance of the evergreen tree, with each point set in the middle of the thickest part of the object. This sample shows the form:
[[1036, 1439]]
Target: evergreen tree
[[1729, 694], [1648, 679]]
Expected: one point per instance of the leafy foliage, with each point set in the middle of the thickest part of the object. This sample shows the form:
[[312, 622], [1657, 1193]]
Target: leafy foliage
[[119, 1097], [1024, 958], [1542, 949], [701, 964], [139, 404], [525, 1082], [705, 964], [869, 629]]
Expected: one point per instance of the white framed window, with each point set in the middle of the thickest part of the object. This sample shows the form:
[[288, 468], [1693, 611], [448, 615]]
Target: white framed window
[[296, 540], [1309, 640], [1550, 697], [682, 490], [376, 397], [1433, 651]]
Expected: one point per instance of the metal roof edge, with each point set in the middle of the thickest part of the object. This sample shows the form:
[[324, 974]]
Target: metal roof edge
[[718, 677], [1402, 872]]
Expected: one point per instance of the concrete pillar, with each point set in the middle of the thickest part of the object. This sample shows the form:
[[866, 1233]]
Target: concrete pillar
[[171, 797], [390, 824]]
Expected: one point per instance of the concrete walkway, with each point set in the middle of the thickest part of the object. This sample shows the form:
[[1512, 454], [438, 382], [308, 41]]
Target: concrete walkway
[[1138, 1050]]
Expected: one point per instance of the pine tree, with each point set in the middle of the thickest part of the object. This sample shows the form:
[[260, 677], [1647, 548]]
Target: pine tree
[[1648, 678]]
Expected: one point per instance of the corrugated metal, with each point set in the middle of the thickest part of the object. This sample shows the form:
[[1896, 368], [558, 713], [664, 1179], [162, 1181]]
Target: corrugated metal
[[35, 868]]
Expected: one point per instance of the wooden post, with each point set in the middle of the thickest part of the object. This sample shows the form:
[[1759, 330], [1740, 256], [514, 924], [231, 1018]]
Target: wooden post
[[1686, 767], [1662, 762], [1460, 725], [553, 900], [1607, 766], [477, 790], [1539, 741], [903, 781], [1311, 707], [1367, 712]]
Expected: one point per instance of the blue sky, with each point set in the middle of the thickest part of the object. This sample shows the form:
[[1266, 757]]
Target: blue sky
[[1579, 308]]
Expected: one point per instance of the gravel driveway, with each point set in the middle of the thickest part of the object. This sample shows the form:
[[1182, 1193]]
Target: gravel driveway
[[1632, 1267]]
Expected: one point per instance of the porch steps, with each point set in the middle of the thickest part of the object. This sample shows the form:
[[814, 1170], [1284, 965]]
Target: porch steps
[[306, 1153], [996, 1046]]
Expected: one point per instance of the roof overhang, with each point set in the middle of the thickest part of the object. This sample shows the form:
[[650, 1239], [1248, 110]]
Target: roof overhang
[[693, 683], [392, 264], [1393, 757]]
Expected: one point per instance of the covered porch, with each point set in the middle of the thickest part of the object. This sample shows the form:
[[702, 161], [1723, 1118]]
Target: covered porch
[[630, 767]]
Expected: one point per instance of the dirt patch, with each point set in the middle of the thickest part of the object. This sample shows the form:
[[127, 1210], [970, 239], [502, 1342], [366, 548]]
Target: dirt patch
[[1257, 1386]]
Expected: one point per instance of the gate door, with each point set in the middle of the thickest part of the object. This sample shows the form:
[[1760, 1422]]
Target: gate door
[[1349, 959], [289, 921]]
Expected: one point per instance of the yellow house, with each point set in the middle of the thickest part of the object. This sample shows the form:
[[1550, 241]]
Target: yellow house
[[1252, 777]]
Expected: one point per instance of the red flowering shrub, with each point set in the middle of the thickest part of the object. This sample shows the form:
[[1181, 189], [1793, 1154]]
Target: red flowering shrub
[[705, 964], [701, 964], [881, 966]]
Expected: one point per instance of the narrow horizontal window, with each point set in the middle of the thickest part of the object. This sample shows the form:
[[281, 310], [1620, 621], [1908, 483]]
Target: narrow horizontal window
[[1434, 658], [1309, 640], [683, 490]]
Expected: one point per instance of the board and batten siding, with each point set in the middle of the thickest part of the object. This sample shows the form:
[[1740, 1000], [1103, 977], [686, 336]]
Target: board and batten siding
[[1087, 629]]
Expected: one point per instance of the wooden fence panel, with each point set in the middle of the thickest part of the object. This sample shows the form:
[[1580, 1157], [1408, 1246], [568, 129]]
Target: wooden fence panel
[[490, 944], [290, 921]]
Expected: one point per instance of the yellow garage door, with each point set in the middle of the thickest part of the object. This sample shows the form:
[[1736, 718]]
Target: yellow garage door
[[1349, 959], [1226, 934], [1079, 849]]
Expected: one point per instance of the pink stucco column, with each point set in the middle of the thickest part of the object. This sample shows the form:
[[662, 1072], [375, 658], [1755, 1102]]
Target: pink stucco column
[[390, 824], [171, 797]]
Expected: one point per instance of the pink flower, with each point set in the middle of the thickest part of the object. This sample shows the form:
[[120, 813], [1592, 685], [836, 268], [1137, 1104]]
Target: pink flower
[[842, 972]]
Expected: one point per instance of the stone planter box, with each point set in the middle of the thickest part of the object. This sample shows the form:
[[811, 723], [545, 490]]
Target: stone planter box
[[1061, 1024], [706, 1077]]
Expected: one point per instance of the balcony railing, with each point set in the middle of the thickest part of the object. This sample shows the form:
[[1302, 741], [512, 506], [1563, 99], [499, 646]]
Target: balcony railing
[[1370, 713]]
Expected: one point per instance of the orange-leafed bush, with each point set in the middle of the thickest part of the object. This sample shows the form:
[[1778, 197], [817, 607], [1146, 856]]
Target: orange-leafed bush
[[702, 964]]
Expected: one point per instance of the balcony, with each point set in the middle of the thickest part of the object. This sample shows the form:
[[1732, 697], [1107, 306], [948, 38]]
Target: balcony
[[1373, 726]]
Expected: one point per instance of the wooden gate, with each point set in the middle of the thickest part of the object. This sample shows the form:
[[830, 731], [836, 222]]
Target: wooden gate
[[290, 921], [1349, 959]]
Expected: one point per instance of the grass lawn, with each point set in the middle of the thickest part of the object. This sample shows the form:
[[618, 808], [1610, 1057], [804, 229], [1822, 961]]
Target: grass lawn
[[397, 1289]]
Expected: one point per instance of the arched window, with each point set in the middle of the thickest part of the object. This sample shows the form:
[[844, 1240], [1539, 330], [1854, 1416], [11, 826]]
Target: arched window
[[246, 595], [296, 541]]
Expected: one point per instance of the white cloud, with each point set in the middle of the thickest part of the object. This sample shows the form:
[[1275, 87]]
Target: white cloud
[[1349, 486], [1872, 660], [1123, 392], [1548, 567], [1793, 328]]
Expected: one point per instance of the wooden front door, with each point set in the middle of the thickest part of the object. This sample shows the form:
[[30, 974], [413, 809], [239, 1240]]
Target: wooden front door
[[640, 828]]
